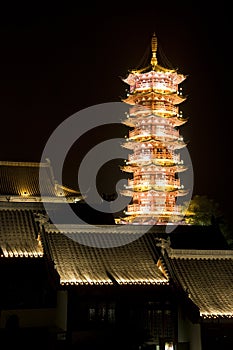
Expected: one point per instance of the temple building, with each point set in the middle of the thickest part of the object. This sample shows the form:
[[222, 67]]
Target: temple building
[[154, 139], [147, 289]]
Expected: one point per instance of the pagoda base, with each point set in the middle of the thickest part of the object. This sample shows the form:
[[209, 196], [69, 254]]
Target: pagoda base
[[149, 220]]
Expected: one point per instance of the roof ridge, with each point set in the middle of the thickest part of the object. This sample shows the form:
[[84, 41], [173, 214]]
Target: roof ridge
[[200, 253], [29, 164]]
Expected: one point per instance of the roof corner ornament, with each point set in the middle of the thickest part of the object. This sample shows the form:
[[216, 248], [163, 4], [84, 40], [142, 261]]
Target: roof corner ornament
[[154, 45], [41, 218], [164, 244]]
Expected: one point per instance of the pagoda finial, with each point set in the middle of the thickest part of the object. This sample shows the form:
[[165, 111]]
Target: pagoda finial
[[154, 61]]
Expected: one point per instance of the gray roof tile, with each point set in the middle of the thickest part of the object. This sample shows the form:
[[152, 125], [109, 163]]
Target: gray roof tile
[[133, 263], [207, 276], [18, 234]]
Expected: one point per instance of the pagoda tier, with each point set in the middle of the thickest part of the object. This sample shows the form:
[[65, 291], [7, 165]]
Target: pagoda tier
[[159, 79], [141, 117], [139, 113], [177, 144], [145, 154], [153, 167], [151, 178], [162, 182], [153, 131], [164, 104], [153, 139], [152, 207]]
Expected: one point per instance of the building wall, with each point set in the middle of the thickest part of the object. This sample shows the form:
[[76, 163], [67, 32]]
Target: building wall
[[61, 311], [123, 320], [30, 317], [189, 334]]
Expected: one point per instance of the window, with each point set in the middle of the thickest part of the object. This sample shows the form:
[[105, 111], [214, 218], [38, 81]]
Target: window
[[101, 312]]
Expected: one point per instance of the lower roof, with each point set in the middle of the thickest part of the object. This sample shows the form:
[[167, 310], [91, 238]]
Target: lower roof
[[207, 277], [86, 263], [127, 255]]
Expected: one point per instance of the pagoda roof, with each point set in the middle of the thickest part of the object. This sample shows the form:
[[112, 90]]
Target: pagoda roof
[[172, 145], [134, 119], [151, 69], [136, 74], [80, 261], [20, 181], [176, 99]]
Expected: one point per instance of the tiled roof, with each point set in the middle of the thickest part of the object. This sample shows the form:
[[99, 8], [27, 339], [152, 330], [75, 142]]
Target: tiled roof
[[22, 179], [207, 276], [18, 234], [130, 256], [76, 263]]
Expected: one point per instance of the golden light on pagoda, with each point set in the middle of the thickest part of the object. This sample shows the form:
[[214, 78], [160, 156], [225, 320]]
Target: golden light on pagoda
[[154, 163], [24, 192]]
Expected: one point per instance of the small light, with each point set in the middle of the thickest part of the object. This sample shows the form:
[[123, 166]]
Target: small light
[[24, 193]]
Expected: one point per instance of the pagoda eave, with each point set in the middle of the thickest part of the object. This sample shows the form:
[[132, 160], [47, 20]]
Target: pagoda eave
[[176, 168], [153, 96], [157, 192], [146, 188], [159, 162], [150, 137], [143, 219], [132, 144], [133, 120], [150, 72]]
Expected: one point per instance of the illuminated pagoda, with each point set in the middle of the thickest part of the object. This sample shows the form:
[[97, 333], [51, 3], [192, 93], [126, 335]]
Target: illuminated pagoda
[[153, 141]]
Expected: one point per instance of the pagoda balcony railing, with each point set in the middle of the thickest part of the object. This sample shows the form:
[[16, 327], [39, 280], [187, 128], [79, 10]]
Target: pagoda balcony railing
[[156, 183], [153, 209], [139, 110], [151, 129], [154, 121], [155, 86], [156, 105], [147, 109], [146, 119], [150, 156], [156, 131]]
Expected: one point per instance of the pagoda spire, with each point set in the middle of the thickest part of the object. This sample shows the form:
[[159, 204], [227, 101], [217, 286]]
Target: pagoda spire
[[154, 45]]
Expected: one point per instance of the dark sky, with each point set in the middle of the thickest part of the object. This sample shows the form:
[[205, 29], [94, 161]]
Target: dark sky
[[57, 62]]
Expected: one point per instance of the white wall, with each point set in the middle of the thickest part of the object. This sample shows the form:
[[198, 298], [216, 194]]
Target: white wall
[[61, 312], [188, 331]]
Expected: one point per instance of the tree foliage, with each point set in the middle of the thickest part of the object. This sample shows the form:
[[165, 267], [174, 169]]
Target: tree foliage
[[202, 210]]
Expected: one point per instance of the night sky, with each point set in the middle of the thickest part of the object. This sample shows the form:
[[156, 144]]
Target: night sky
[[56, 63]]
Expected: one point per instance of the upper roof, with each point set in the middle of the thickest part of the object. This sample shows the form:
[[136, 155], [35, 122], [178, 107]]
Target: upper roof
[[27, 181], [19, 234]]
